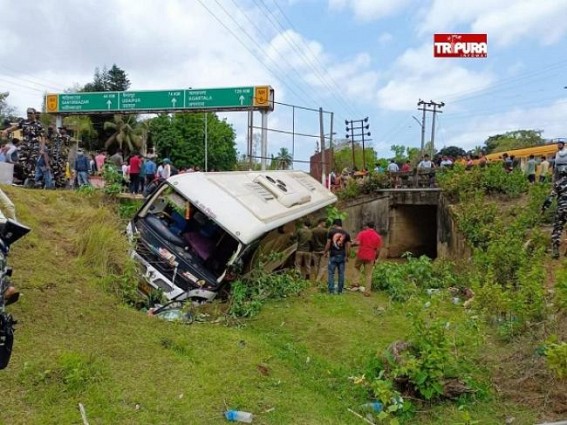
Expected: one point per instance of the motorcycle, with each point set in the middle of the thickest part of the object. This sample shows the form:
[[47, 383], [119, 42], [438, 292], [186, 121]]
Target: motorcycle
[[9, 233]]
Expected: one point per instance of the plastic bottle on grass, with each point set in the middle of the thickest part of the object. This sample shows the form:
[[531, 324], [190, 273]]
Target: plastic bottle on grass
[[238, 416], [375, 406]]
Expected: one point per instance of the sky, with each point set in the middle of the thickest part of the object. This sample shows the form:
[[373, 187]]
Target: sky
[[354, 58]]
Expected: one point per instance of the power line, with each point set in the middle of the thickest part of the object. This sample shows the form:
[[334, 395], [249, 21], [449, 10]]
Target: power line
[[309, 60], [465, 95], [246, 47], [260, 46], [18, 74]]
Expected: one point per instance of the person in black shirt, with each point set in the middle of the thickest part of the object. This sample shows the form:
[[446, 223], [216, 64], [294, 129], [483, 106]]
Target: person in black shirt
[[338, 248]]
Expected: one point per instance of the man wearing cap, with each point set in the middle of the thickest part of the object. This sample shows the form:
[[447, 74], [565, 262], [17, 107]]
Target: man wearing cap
[[34, 138], [31, 127]]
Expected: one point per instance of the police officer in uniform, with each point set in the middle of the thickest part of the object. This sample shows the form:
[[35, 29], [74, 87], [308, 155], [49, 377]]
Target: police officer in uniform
[[559, 192], [33, 143]]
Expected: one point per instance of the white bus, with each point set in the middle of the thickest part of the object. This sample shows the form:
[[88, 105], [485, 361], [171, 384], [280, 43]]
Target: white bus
[[199, 231]]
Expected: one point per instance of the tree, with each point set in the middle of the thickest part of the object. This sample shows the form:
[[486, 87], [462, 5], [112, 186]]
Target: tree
[[452, 151], [514, 140], [343, 157], [7, 112], [83, 129], [143, 129], [114, 79], [125, 134], [117, 79], [283, 159], [181, 138], [399, 153]]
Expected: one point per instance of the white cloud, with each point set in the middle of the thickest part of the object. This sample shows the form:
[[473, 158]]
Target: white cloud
[[506, 21], [369, 10], [417, 74], [550, 118]]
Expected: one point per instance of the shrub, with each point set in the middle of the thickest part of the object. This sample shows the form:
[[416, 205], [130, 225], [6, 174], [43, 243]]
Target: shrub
[[403, 280], [251, 292], [478, 219], [491, 180], [556, 356], [374, 182], [350, 191]]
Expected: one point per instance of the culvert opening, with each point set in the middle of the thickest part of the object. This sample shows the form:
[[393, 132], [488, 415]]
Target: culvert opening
[[413, 228]]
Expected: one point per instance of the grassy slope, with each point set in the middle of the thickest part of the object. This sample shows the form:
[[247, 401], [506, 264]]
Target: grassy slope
[[77, 343]]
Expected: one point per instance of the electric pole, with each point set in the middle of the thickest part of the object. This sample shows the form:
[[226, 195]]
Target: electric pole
[[355, 129], [423, 108], [424, 105]]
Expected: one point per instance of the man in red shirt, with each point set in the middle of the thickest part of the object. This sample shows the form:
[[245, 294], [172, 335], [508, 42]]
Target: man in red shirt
[[135, 167], [369, 243]]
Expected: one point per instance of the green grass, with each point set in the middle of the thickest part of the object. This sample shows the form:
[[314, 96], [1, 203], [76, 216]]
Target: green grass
[[76, 342]]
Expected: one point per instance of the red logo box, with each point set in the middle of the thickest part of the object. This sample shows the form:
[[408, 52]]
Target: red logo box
[[460, 45]]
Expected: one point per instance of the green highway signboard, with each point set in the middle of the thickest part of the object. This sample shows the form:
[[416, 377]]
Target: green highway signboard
[[218, 99]]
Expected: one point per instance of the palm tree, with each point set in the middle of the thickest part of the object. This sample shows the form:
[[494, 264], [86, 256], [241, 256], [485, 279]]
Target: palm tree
[[143, 130], [124, 132], [82, 126], [284, 159]]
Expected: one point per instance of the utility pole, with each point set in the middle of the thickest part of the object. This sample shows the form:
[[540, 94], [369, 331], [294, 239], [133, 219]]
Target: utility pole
[[355, 131], [424, 105], [322, 136], [435, 111], [423, 108]]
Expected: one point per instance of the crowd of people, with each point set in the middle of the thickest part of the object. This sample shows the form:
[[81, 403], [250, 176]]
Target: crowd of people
[[40, 157], [45, 158], [321, 248]]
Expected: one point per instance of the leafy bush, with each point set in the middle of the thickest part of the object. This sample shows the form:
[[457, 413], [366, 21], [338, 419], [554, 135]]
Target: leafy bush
[[128, 207], [249, 293], [425, 364], [561, 288], [509, 287], [403, 280], [350, 191], [478, 219], [374, 182], [334, 213], [491, 180], [112, 179], [556, 356]]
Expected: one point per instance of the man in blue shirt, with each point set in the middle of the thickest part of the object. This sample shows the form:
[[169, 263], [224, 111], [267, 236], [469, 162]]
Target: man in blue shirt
[[149, 170]]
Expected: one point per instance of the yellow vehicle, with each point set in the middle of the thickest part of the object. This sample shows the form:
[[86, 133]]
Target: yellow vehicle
[[547, 150]]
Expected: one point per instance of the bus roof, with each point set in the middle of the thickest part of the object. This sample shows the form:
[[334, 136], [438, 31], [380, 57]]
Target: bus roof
[[543, 150], [248, 204]]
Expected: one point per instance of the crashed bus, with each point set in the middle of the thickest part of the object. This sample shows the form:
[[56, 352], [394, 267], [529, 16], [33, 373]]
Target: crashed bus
[[199, 231]]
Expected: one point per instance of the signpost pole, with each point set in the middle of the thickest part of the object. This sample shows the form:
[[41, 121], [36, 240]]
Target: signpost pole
[[206, 145], [264, 139], [250, 138]]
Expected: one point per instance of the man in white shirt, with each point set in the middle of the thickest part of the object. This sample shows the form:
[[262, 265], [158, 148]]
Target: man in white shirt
[[393, 167], [425, 163], [446, 162], [393, 170]]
